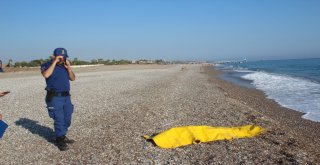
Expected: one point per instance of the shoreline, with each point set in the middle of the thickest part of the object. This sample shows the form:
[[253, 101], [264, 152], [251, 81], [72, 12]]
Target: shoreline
[[306, 131], [235, 78]]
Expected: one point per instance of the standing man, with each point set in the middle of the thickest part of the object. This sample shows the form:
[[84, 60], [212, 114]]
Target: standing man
[[1, 70], [57, 73]]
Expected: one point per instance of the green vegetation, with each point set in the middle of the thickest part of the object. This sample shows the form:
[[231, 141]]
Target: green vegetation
[[76, 61], [33, 63]]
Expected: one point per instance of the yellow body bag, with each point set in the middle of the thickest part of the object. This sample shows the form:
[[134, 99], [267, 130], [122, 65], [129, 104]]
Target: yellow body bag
[[181, 136]]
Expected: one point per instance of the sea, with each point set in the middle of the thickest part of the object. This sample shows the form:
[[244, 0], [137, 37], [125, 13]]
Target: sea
[[293, 83]]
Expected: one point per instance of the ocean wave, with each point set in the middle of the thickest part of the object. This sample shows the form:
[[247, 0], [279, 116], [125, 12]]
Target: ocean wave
[[292, 92]]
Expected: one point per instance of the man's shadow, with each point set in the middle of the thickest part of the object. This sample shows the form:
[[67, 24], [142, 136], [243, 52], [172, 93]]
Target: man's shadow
[[35, 128]]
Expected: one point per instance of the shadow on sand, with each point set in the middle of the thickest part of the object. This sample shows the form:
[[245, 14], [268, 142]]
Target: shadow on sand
[[35, 128]]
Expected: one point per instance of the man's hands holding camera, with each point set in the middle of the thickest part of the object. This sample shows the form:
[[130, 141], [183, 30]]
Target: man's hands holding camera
[[62, 61], [59, 59]]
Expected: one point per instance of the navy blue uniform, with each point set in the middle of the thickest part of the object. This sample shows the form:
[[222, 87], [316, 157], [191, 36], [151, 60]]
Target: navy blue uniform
[[59, 107]]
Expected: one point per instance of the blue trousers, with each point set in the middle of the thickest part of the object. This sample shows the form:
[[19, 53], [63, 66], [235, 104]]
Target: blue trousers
[[60, 110]]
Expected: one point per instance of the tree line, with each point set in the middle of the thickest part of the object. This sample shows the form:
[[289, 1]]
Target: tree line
[[76, 61]]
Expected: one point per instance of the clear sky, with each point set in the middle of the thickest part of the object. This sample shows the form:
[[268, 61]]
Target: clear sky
[[160, 29]]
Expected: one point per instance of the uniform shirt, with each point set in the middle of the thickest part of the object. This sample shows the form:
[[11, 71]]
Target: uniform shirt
[[59, 80]]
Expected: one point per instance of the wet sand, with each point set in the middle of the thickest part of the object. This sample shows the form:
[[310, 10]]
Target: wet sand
[[116, 105]]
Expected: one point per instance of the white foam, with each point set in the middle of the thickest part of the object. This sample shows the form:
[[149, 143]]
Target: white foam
[[244, 70], [291, 92]]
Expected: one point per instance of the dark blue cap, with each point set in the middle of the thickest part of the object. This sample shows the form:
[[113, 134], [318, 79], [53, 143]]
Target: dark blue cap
[[60, 52]]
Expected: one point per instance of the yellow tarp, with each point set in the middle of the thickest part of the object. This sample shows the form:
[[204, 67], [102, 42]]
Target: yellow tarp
[[181, 136]]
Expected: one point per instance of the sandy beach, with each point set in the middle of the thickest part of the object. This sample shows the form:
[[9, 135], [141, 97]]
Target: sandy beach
[[116, 105]]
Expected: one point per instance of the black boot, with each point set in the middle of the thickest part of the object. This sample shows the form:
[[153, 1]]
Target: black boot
[[67, 140], [61, 144]]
